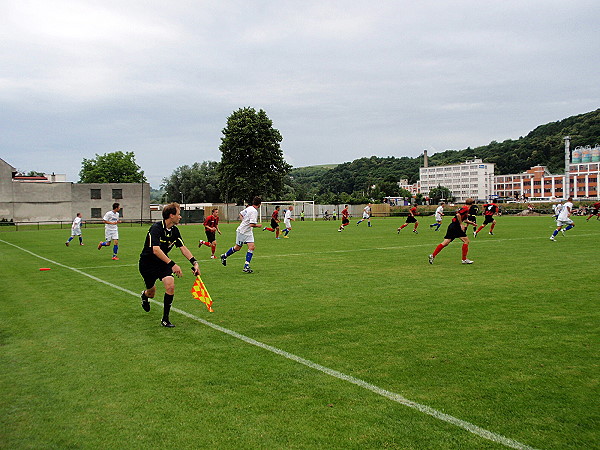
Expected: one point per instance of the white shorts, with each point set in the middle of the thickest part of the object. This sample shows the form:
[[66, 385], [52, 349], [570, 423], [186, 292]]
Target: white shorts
[[288, 223], [112, 235], [562, 223], [75, 231], [438, 218], [365, 216], [241, 239]]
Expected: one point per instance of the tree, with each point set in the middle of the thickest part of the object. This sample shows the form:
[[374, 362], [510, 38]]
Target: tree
[[116, 167], [440, 193], [252, 160], [198, 183]]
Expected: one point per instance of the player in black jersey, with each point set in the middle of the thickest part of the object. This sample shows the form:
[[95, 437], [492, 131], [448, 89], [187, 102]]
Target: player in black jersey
[[473, 211], [155, 263]]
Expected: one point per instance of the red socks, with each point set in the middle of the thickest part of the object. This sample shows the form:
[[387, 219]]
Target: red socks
[[465, 250], [437, 250]]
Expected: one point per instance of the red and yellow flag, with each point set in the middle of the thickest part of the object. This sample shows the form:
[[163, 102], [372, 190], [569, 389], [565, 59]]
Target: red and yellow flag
[[200, 292]]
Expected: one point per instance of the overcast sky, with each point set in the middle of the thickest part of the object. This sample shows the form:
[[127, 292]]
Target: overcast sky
[[339, 79]]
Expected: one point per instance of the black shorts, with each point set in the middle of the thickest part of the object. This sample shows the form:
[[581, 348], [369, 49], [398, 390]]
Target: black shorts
[[152, 271], [454, 231], [210, 236], [274, 224], [345, 221], [488, 219], [594, 212], [411, 219], [472, 219]]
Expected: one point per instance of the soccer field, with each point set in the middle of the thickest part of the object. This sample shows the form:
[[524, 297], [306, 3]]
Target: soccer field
[[337, 340]]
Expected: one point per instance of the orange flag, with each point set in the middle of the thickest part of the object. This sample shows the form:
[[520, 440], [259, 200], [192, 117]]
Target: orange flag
[[199, 292]]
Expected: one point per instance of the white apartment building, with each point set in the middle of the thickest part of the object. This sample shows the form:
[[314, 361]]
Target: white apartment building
[[471, 179]]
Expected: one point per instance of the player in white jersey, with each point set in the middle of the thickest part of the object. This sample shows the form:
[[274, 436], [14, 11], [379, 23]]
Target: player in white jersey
[[366, 215], [564, 219], [245, 235], [439, 214], [76, 230], [287, 220], [557, 208], [111, 230]]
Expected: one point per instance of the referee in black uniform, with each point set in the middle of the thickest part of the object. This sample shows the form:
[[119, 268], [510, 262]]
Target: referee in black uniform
[[155, 263]]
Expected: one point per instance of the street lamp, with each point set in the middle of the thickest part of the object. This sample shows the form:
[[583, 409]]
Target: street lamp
[[182, 205]]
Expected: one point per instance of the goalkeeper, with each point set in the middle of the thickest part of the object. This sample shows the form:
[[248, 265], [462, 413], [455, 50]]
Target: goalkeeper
[[155, 263]]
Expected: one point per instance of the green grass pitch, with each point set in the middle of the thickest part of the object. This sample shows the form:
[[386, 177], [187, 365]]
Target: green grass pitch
[[509, 344]]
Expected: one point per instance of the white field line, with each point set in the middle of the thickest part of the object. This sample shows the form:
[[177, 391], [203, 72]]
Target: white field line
[[471, 428]]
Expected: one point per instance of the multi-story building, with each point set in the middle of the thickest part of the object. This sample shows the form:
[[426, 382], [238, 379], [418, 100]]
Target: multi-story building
[[471, 179]]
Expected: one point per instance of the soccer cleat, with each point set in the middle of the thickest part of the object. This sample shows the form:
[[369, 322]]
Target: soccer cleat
[[467, 261], [213, 257], [265, 229], [167, 324], [399, 230], [100, 245], [145, 303], [552, 238], [474, 234], [415, 231], [286, 237], [563, 232], [280, 238], [247, 269], [491, 234], [431, 257], [67, 244], [115, 258], [223, 260], [82, 243], [340, 230], [200, 243]]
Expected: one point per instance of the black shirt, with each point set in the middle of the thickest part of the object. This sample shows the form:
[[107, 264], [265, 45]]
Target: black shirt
[[158, 234]]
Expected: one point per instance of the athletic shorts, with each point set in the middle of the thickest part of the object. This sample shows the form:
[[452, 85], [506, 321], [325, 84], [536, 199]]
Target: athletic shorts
[[274, 224], [241, 239], [562, 223], [111, 235], [488, 219], [438, 218], [210, 236], [345, 221], [472, 218], [75, 231], [288, 223], [411, 219], [454, 231], [365, 216], [152, 271], [594, 212]]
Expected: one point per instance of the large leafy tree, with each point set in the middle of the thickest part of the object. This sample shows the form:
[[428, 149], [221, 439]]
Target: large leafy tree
[[252, 161], [440, 193], [116, 167], [197, 183]]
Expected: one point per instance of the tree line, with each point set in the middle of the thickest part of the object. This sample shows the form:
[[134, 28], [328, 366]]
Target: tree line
[[252, 163]]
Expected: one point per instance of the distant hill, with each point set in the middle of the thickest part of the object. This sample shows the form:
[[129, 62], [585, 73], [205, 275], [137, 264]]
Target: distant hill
[[542, 146]]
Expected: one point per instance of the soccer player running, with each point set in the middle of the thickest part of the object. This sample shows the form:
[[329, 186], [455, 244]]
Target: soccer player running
[[439, 214], [211, 227], [345, 218], [564, 219], [111, 230], [287, 221], [366, 215], [595, 211], [473, 211], [489, 211], [155, 264], [457, 229], [412, 213], [245, 235], [274, 223], [76, 230]]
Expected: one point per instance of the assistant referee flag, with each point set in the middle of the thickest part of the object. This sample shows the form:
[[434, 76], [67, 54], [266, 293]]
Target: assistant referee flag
[[200, 292]]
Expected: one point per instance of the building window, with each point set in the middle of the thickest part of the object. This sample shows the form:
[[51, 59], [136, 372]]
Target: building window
[[117, 193], [96, 212], [95, 194], [122, 213]]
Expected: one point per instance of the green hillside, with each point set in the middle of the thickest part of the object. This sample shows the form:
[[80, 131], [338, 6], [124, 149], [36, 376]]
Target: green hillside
[[542, 146]]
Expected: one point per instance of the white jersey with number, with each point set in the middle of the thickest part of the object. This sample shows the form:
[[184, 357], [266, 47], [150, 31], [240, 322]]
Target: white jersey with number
[[250, 216]]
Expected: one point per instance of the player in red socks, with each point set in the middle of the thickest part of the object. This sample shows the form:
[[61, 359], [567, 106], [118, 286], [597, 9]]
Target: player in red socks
[[457, 229], [345, 218], [489, 211], [412, 212], [595, 209]]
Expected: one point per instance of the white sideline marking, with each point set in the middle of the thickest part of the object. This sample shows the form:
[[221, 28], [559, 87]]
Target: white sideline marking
[[471, 428]]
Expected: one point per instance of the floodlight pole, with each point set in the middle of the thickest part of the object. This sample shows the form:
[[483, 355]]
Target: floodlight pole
[[567, 187]]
